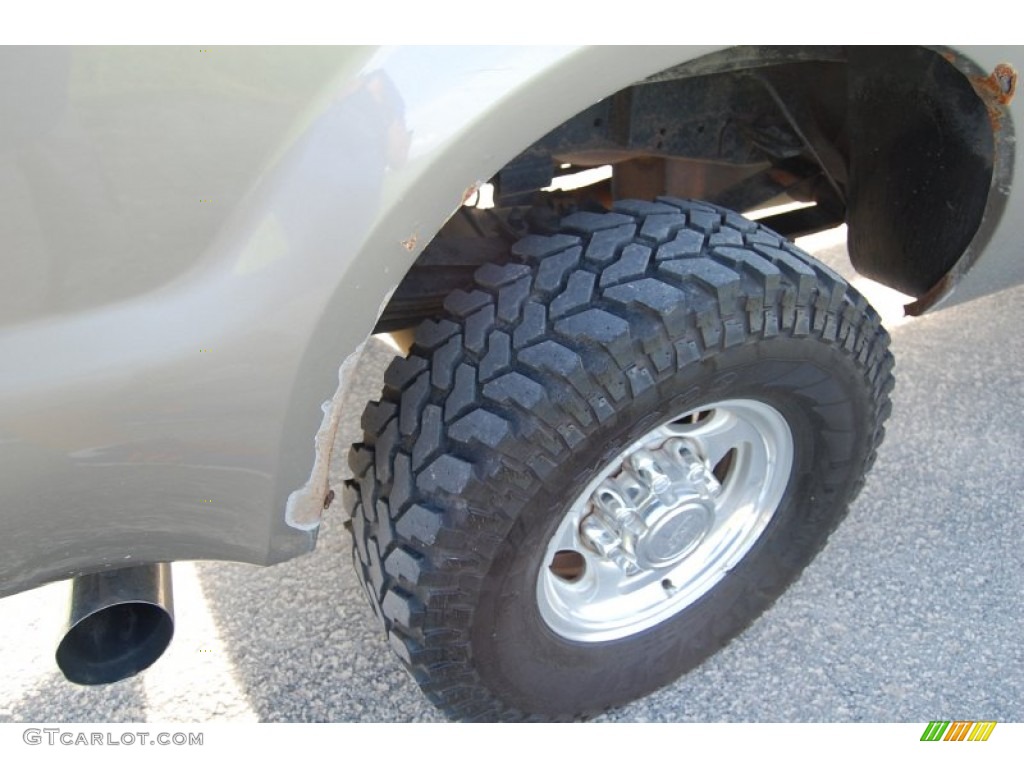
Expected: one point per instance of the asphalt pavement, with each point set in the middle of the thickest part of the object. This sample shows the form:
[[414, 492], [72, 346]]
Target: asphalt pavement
[[913, 612]]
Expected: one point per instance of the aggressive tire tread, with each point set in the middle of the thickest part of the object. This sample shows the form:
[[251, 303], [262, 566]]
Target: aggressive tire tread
[[494, 396]]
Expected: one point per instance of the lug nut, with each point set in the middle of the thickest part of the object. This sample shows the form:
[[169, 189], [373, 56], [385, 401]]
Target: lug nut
[[646, 466], [598, 537]]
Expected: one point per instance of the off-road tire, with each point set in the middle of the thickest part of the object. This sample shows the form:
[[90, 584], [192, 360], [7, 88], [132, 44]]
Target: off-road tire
[[559, 357]]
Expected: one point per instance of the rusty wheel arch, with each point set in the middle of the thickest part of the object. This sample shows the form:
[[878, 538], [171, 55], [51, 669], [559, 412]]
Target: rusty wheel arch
[[906, 145]]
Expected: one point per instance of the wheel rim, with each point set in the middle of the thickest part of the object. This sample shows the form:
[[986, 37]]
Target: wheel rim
[[665, 520]]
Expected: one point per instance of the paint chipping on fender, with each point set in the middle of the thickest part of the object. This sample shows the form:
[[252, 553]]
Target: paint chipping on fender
[[471, 191], [304, 508]]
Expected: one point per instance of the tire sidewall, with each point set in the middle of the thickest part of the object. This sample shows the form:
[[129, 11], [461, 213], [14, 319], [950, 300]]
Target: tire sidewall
[[821, 393]]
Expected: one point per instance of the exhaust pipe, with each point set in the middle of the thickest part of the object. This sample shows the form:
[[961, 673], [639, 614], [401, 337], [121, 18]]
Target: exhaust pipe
[[120, 623]]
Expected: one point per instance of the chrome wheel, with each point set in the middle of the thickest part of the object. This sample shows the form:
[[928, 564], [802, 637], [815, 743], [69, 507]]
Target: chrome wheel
[[665, 521]]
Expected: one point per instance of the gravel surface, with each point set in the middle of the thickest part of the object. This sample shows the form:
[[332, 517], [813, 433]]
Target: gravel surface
[[912, 612]]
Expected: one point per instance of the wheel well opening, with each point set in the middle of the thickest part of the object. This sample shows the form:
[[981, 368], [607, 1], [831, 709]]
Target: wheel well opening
[[895, 142]]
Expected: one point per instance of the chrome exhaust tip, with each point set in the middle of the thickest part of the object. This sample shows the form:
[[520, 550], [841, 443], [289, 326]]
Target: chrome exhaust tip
[[120, 622]]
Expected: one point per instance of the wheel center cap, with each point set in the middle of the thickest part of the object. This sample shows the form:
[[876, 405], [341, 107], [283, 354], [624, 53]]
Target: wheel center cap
[[674, 535]]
